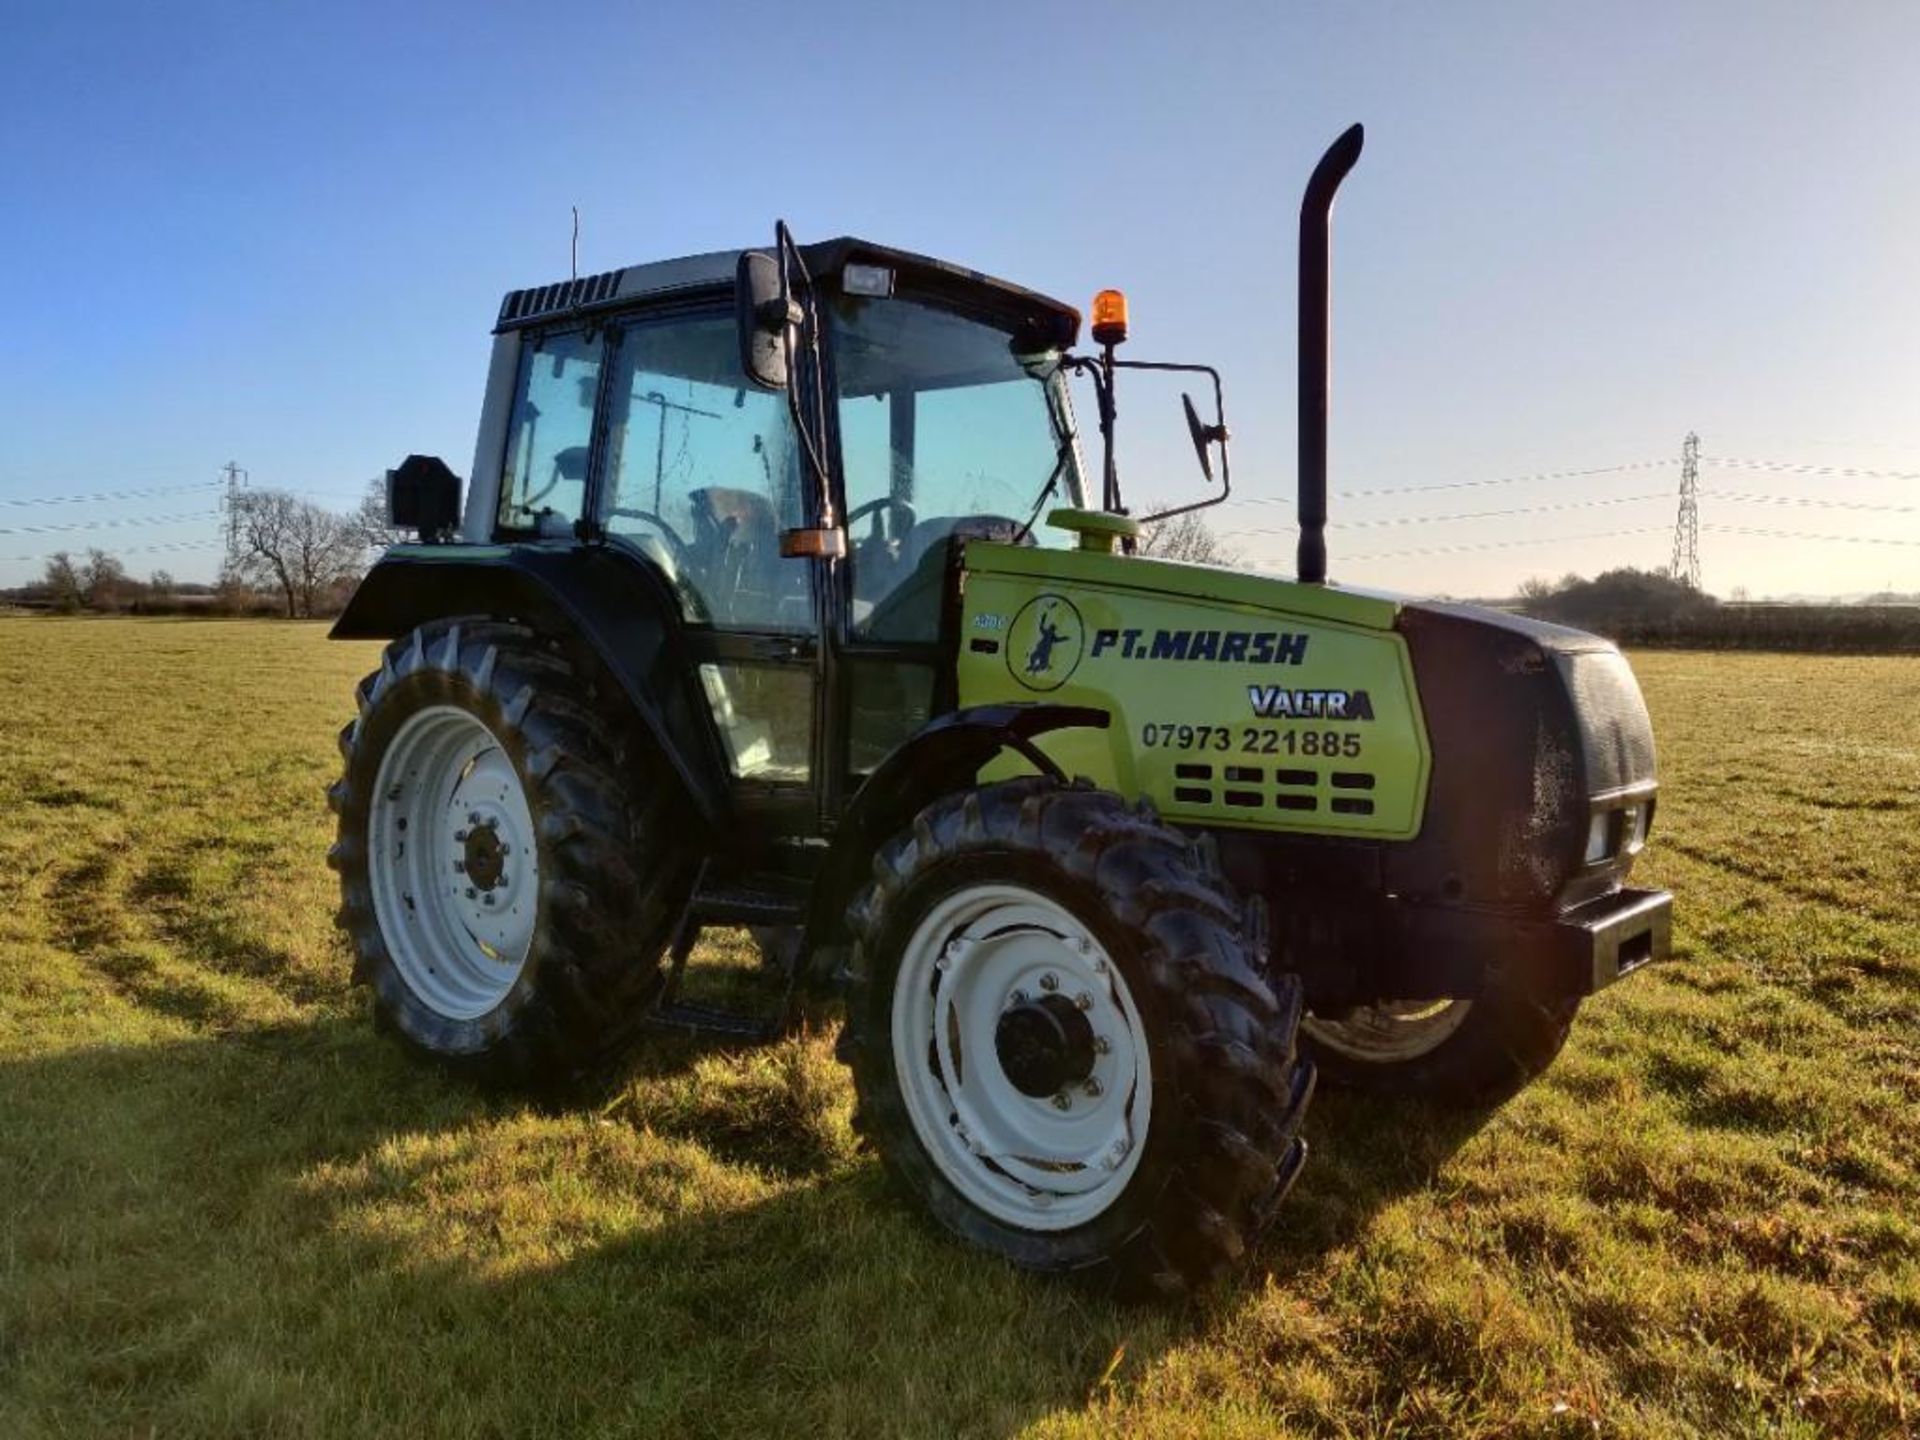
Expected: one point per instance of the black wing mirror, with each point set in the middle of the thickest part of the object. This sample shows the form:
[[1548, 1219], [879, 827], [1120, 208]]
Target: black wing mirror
[[766, 317], [1205, 436]]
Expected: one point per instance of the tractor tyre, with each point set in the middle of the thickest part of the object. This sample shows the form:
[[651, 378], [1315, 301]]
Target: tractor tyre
[[509, 868], [1474, 1052], [1065, 1042]]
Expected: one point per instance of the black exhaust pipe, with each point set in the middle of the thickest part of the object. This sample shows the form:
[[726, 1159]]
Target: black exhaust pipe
[[1316, 300]]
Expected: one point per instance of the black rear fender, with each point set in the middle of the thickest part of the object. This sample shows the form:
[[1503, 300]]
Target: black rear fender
[[615, 613]]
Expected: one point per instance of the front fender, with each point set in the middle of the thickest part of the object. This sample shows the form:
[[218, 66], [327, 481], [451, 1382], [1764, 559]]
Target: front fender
[[943, 756], [613, 612]]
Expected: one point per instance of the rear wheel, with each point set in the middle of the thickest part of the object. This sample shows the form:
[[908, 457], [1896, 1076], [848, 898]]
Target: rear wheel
[[507, 867], [1064, 1042], [1467, 1052]]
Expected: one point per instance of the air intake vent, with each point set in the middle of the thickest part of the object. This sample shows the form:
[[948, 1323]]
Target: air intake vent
[[559, 297]]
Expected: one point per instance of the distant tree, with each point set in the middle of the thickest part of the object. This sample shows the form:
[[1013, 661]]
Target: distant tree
[[231, 592], [1185, 537], [371, 519], [296, 548], [65, 589], [1536, 588], [105, 580], [161, 583], [1622, 597]]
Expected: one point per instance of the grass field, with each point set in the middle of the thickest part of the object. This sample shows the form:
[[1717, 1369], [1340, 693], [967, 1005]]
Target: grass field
[[227, 1207]]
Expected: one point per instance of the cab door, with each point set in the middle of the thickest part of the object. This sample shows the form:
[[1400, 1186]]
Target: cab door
[[700, 472]]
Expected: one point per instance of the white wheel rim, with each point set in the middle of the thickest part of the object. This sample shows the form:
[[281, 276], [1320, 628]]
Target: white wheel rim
[[1391, 1031], [1022, 1159], [453, 866]]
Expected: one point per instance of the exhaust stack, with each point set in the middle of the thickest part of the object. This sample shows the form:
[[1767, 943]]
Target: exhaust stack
[[1316, 236]]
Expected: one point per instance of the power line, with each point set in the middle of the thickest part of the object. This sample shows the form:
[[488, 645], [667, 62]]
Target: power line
[[1458, 515], [1505, 480], [110, 495], [1818, 502], [1805, 535], [1787, 467], [134, 550], [1460, 484], [1510, 544], [120, 524]]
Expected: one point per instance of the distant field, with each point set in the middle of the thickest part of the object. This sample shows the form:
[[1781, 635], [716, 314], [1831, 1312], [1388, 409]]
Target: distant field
[[228, 1208]]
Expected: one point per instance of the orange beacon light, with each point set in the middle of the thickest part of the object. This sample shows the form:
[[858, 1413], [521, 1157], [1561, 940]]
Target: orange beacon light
[[1109, 317]]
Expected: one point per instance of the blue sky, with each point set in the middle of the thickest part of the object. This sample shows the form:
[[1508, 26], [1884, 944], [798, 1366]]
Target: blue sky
[[279, 233]]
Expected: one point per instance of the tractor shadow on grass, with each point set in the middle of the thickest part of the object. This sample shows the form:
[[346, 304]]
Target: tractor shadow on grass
[[288, 1212]]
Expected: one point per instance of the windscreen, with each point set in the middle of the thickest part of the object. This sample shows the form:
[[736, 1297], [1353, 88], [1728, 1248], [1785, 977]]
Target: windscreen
[[944, 431]]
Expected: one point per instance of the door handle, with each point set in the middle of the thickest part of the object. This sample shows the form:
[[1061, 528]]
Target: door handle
[[783, 647]]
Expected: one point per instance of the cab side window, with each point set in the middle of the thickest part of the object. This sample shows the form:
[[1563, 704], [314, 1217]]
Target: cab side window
[[549, 437]]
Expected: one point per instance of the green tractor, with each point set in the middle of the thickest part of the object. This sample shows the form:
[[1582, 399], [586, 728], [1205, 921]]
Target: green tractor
[[782, 598]]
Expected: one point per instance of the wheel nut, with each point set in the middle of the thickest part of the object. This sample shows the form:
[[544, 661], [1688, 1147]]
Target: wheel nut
[[1063, 1101], [1102, 1045], [1018, 997], [487, 898], [1049, 981], [471, 892], [1093, 1087], [1083, 1001], [459, 867], [491, 822], [459, 837]]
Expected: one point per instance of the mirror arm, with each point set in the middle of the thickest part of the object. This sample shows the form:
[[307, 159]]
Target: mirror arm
[[1101, 373], [807, 324], [1216, 432]]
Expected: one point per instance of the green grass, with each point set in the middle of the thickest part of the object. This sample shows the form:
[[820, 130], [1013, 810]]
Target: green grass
[[228, 1207]]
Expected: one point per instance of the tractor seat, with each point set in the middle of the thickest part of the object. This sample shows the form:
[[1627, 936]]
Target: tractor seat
[[917, 583], [736, 544], [928, 533]]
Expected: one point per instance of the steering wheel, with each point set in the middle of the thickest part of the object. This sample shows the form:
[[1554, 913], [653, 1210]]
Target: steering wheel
[[682, 552], [902, 513]]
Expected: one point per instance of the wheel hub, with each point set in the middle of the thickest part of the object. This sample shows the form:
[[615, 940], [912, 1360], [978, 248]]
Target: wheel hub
[[1021, 1056], [1044, 1045], [486, 857]]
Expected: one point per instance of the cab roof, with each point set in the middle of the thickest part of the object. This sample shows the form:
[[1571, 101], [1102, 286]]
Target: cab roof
[[714, 271]]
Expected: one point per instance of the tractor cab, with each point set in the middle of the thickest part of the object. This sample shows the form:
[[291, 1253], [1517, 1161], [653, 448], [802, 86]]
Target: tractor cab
[[804, 501]]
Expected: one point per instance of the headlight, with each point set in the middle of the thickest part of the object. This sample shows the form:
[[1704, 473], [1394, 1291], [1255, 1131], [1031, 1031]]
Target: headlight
[[1618, 832], [1633, 829]]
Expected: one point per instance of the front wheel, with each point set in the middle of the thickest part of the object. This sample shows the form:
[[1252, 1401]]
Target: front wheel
[[1064, 1041], [1462, 1052]]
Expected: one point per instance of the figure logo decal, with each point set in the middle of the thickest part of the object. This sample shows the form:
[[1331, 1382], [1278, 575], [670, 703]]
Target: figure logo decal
[[1045, 642]]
